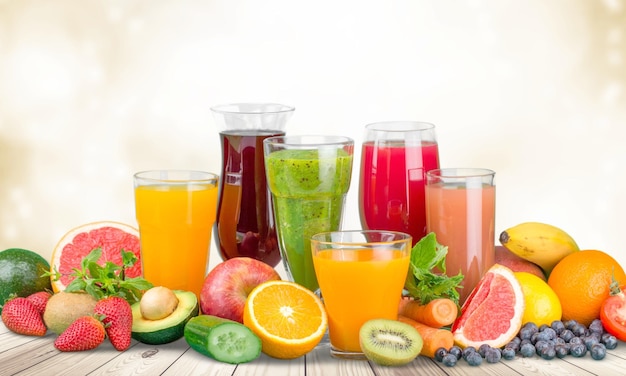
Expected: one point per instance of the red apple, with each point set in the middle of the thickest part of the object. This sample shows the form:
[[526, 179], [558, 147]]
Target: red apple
[[516, 263], [227, 286]]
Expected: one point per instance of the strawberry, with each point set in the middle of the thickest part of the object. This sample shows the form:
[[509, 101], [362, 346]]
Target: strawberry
[[39, 299], [22, 317], [118, 320], [85, 333]]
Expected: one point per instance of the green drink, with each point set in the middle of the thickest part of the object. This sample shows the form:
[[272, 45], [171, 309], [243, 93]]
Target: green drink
[[308, 177]]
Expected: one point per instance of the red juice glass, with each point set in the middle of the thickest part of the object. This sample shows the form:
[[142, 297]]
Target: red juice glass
[[244, 225], [394, 160]]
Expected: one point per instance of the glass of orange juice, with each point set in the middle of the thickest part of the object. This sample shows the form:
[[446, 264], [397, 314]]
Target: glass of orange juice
[[460, 210], [175, 212], [361, 274]]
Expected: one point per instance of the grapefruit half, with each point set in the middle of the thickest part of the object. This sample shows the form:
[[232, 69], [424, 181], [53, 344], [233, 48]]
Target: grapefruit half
[[110, 236], [493, 312]]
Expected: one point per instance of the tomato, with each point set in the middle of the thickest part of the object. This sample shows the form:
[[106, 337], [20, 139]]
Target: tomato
[[613, 314]]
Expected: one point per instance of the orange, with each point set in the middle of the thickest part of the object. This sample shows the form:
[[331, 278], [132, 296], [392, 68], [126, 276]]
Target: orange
[[582, 282], [289, 318], [493, 312], [110, 237]]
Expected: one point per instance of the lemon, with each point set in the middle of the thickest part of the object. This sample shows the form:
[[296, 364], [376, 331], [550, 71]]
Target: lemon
[[542, 303]]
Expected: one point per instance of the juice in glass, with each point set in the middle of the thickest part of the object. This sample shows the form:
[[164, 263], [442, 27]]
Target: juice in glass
[[360, 281], [245, 219], [308, 186], [395, 158], [175, 219], [460, 207]]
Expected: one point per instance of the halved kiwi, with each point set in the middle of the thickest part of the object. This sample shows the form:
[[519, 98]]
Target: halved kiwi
[[390, 342]]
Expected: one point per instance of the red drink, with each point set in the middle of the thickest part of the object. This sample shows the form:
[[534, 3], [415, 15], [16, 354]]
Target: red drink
[[392, 185], [245, 220]]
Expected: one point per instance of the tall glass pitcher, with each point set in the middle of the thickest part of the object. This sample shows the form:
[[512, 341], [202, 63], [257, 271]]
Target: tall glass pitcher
[[245, 222]]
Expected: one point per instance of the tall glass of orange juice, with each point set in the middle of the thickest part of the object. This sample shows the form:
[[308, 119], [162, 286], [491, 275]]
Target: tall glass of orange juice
[[175, 212], [361, 274], [460, 210]]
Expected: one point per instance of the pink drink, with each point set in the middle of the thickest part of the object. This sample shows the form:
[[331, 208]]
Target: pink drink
[[392, 185], [463, 218]]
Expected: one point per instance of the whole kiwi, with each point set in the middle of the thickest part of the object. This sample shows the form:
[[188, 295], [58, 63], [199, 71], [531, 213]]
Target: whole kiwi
[[390, 342], [63, 308]]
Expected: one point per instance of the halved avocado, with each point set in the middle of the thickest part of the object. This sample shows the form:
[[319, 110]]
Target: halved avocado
[[168, 329]]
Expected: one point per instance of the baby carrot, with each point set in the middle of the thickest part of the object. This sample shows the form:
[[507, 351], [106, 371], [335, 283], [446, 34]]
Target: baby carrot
[[436, 313], [433, 338]]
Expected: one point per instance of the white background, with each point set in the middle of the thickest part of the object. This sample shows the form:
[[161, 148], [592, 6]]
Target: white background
[[93, 91]]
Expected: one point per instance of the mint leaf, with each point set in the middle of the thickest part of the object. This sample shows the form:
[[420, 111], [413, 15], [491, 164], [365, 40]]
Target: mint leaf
[[426, 279]]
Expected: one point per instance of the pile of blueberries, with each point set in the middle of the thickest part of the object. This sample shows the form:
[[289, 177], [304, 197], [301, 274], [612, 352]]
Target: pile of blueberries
[[547, 341]]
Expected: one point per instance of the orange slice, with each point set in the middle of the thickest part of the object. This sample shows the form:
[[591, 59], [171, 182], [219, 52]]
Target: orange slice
[[493, 312], [289, 319]]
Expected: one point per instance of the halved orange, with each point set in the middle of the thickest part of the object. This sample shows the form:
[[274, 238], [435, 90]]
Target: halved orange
[[493, 312], [289, 318]]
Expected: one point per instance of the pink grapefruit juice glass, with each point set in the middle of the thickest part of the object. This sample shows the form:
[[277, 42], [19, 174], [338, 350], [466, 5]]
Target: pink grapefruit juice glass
[[394, 161], [361, 276], [460, 210]]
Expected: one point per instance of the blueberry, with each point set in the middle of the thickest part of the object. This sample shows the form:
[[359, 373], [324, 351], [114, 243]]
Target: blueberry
[[474, 359], [456, 351], [598, 351], [540, 345], [440, 353], [449, 360], [579, 330], [609, 341], [542, 327], [483, 349], [567, 335], [569, 324], [561, 350], [508, 353], [527, 350], [590, 340], [493, 355], [596, 326], [549, 333], [578, 350], [467, 351], [558, 326], [576, 341], [548, 352]]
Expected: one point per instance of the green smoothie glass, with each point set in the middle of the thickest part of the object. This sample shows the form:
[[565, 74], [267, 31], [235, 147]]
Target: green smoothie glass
[[308, 177]]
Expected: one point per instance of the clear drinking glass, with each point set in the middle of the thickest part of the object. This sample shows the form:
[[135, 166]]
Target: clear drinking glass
[[309, 177], [394, 160], [460, 210], [175, 212], [361, 276], [245, 220]]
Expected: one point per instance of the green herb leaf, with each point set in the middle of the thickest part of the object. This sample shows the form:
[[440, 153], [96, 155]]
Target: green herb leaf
[[427, 279]]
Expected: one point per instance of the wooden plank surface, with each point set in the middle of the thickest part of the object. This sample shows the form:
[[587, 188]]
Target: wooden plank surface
[[23, 355]]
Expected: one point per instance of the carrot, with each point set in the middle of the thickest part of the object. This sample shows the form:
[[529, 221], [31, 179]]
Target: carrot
[[436, 313], [433, 338]]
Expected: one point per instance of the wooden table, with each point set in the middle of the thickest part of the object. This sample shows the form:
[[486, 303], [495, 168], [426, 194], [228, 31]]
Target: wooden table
[[24, 355]]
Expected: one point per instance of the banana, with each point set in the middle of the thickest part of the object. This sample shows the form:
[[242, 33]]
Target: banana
[[540, 243]]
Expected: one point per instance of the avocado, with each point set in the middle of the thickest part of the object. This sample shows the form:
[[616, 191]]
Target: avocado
[[168, 329]]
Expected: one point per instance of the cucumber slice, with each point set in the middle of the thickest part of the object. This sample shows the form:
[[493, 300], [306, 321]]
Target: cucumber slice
[[222, 339]]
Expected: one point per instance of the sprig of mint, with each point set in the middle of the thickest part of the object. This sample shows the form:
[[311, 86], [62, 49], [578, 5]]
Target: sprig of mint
[[101, 281], [423, 282]]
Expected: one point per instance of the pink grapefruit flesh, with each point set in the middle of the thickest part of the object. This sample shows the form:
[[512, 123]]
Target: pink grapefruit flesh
[[111, 237], [493, 312]]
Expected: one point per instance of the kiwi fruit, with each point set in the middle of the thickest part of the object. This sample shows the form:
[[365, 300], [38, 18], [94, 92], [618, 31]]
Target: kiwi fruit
[[63, 308], [389, 342]]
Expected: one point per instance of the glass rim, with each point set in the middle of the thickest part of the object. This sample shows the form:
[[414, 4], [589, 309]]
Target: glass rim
[[400, 126], [460, 172], [319, 237], [259, 108], [326, 140], [147, 175]]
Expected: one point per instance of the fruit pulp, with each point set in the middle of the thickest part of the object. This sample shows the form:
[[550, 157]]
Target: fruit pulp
[[392, 181], [175, 225], [463, 219], [245, 221], [308, 192], [357, 286]]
